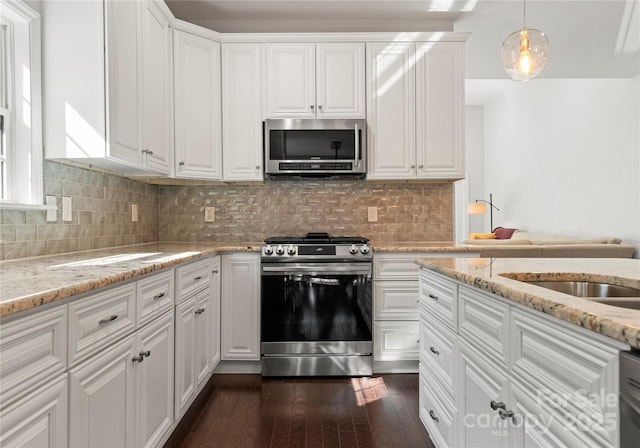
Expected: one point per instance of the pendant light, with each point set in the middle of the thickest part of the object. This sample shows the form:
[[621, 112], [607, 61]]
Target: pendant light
[[524, 52]]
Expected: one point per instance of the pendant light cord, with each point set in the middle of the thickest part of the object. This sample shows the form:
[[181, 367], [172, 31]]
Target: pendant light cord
[[524, 13]]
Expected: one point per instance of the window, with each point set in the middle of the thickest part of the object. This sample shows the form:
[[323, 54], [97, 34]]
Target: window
[[20, 110]]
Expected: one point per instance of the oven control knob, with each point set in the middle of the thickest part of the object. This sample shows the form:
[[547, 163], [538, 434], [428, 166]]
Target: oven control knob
[[268, 250], [353, 249], [365, 249], [291, 250], [279, 250]]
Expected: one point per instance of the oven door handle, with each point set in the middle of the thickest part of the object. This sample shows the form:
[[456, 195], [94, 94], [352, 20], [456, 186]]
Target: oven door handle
[[318, 269]]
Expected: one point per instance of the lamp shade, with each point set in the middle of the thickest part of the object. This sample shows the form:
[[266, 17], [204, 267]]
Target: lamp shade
[[475, 208], [524, 53]]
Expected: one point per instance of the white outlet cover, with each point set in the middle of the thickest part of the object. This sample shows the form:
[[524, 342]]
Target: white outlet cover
[[134, 212], [372, 214], [209, 214], [66, 208]]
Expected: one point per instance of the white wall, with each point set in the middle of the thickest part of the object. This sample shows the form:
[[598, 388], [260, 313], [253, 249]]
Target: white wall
[[563, 156]]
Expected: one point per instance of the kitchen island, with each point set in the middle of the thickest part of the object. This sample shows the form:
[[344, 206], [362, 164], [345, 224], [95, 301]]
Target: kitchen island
[[506, 278], [504, 362]]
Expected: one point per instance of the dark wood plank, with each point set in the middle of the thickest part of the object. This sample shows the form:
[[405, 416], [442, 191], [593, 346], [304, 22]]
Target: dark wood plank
[[247, 411]]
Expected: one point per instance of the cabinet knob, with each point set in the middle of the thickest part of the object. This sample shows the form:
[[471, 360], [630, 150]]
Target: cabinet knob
[[215, 271], [320, 107], [312, 107], [147, 151], [181, 163], [413, 167], [420, 166], [257, 167]]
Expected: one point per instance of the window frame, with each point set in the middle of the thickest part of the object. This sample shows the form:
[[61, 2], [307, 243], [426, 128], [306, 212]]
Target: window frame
[[23, 151]]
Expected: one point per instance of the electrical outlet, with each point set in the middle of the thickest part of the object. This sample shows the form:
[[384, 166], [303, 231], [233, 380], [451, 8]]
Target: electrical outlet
[[209, 214], [52, 215], [134, 212], [372, 214], [66, 208]]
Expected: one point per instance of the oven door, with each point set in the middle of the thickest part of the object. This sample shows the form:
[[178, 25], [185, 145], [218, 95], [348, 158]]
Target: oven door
[[311, 311]]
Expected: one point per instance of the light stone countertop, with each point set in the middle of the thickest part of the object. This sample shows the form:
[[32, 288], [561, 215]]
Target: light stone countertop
[[487, 274], [422, 246], [30, 282]]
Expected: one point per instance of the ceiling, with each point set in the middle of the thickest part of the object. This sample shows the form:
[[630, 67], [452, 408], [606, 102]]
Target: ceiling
[[588, 38]]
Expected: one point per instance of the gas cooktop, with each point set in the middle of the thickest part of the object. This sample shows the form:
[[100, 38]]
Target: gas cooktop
[[316, 238]]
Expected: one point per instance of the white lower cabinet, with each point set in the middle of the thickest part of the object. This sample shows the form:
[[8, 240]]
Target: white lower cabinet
[[524, 379], [197, 338], [154, 382], [240, 323], [39, 419], [101, 398]]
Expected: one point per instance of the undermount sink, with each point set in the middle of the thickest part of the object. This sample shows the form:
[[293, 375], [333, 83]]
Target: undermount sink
[[608, 294]]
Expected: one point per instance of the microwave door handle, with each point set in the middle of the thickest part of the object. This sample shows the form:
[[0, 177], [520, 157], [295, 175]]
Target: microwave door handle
[[357, 145]]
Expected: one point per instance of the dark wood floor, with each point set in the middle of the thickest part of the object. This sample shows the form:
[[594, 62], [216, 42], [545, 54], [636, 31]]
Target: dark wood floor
[[249, 411]]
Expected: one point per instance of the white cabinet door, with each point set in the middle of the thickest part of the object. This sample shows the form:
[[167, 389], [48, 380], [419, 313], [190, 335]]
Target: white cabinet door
[[101, 399], [396, 341], [481, 386], [156, 89], [340, 82], [198, 120], [39, 419], [240, 306], [204, 325], [125, 114], [391, 111], [242, 111], [154, 381], [185, 351], [440, 110], [290, 81], [214, 312]]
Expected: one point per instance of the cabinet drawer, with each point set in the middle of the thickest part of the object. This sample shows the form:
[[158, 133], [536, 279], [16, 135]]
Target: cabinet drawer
[[439, 296], [32, 350], [192, 278], [395, 341], [154, 297], [438, 353], [100, 319], [483, 321], [395, 300], [573, 372], [436, 413], [396, 266]]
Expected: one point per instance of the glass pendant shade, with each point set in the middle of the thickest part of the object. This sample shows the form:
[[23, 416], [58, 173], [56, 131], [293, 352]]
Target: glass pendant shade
[[524, 54]]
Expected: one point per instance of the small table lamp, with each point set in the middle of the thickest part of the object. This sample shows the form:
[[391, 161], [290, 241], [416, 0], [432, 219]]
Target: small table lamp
[[480, 207]]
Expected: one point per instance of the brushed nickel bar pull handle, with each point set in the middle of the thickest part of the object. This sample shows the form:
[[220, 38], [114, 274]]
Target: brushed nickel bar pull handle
[[497, 405], [433, 416], [200, 311], [146, 353], [108, 319], [159, 296], [199, 277], [434, 297], [215, 271], [434, 351]]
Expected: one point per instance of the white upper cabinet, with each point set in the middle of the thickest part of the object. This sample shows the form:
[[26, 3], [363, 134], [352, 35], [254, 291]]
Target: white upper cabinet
[[415, 110], [157, 149], [242, 111], [391, 147], [315, 80], [440, 110], [198, 121], [106, 103]]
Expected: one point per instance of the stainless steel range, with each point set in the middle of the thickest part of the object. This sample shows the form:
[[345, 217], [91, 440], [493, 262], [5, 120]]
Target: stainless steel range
[[316, 306]]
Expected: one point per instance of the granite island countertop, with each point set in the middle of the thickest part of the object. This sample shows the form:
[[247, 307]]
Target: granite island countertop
[[422, 246], [26, 283], [505, 277]]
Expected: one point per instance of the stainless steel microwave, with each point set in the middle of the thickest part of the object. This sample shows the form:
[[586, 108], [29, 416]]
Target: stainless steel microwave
[[315, 148]]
